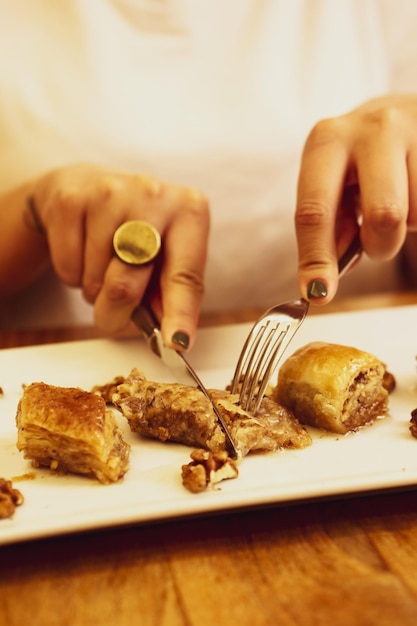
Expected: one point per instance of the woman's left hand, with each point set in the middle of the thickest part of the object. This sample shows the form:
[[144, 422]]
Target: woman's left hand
[[359, 168]]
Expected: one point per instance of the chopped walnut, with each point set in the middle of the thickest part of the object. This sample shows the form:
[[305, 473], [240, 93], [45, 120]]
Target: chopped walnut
[[413, 423], [9, 498], [388, 382], [207, 469]]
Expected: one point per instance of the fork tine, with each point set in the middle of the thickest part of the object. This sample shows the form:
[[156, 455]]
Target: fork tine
[[255, 363], [262, 351], [265, 363], [250, 346]]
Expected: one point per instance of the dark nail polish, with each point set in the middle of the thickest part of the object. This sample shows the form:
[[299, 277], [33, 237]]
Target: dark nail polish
[[181, 339], [316, 289]]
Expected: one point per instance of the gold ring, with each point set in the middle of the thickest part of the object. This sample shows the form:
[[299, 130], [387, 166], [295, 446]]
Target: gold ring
[[136, 242]]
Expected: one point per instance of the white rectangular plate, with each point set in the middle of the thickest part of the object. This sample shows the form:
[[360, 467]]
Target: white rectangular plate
[[378, 457]]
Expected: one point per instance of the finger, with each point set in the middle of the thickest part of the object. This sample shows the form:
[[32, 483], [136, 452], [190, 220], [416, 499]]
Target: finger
[[412, 191], [101, 224], [383, 181], [182, 276], [321, 181], [122, 290], [65, 233], [347, 219], [121, 198]]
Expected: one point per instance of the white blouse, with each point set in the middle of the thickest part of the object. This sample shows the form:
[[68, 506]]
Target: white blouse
[[215, 94]]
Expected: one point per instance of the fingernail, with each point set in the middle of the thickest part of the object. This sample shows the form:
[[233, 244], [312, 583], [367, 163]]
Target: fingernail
[[181, 339], [316, 289]]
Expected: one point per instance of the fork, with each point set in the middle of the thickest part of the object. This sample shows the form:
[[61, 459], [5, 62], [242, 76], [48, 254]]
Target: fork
[[269, 338]]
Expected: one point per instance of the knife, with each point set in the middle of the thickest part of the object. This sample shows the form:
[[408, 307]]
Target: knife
[[144, 318]]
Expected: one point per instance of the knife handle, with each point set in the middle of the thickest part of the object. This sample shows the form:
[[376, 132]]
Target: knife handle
[[144, 319]]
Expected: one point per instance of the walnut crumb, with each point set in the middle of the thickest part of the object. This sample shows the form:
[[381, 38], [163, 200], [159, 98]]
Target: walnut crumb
[[388, 382], [107, 390], [9, 498], [207, 469]]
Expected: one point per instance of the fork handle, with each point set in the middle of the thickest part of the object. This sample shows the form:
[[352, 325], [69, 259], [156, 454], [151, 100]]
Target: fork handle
[[351, 255]]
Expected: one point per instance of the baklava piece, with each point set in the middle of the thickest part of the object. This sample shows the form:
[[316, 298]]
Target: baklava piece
[[334, 387], [71, 430], [174, 412]]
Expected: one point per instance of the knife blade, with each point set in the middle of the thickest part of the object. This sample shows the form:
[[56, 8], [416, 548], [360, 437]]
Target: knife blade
[[144, 318]]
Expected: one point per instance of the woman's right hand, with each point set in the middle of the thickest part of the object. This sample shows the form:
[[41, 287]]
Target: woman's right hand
[[80, 207]]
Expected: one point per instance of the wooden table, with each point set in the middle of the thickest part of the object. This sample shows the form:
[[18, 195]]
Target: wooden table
[[351, 561]]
